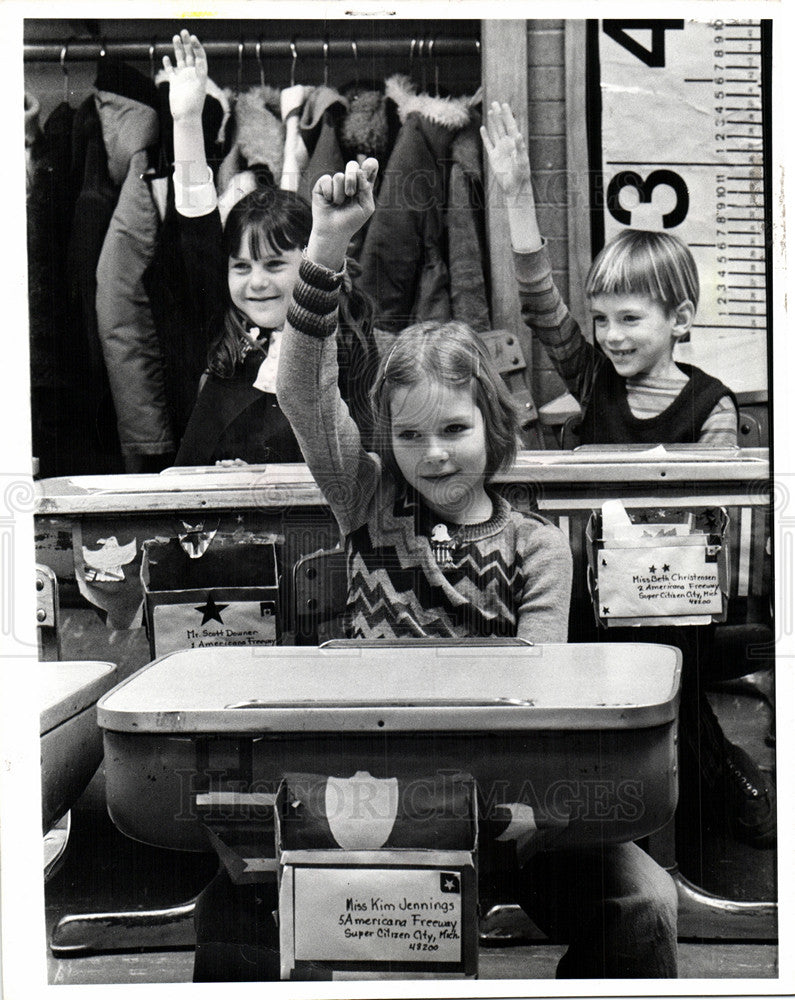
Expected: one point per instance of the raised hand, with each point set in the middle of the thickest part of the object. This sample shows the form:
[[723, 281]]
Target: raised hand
[[187, 82], [341, 204], [507, 151]]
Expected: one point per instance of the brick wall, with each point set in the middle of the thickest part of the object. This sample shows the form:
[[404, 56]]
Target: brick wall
[[546, 125]]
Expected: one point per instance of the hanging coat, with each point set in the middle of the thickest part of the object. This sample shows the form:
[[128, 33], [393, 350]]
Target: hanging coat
[[405, 254], [91, 198], [323, 110], [466, 235], [53, 379], [127, 105]]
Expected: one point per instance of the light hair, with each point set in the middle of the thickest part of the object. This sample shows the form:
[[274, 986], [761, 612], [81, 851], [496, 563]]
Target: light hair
[[450, 353], [641, 262]]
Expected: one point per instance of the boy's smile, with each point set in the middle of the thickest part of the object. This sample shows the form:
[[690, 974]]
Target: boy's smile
[[638, 333], [439, 444]]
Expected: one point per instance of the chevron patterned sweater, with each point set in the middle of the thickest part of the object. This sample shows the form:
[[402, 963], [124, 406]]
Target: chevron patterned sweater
[[508, 576]]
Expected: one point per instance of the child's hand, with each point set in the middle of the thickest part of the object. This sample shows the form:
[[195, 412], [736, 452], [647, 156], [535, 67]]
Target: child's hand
[[341, 204], [506, 151], [187, 84]]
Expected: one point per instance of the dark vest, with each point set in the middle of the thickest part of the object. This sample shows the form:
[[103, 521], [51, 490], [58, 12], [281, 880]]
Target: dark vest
[[609, 420]]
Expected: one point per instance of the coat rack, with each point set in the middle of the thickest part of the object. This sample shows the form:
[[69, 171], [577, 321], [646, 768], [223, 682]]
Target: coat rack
[[302, 48]]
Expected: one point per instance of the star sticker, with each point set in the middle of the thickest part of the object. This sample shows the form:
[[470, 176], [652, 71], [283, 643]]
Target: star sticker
[[449, 884], [211, 611], [666, 568], [605, 609], [652, 569]]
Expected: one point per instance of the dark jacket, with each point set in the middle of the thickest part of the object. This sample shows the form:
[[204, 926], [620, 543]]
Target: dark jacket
[[405, 255]]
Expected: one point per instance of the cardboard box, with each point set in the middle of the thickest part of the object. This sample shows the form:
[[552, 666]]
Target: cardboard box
[[381, 909], [228, 596], [668, 567]]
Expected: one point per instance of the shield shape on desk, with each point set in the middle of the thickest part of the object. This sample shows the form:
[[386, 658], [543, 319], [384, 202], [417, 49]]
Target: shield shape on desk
[[361, 810]]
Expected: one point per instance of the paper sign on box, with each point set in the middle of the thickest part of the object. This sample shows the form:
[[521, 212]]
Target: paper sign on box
[[372, 915], [659, 581], [227, 623]]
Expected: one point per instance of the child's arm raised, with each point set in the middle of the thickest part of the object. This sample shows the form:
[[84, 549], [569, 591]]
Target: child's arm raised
[[307, 381], [187, 87], [543, 310], [510, 164]]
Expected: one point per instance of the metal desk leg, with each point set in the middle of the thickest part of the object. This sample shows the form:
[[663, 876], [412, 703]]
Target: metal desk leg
[[171, 927], [704, 915], [56, 840]]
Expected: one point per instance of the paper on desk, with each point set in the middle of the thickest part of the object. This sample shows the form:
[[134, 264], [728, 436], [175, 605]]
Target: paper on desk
[[617, 527]]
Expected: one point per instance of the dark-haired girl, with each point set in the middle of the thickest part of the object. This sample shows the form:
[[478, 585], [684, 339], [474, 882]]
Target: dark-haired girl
[[241, 277]]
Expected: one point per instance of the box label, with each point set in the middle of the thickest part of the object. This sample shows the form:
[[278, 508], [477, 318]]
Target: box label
[[212, 622], [664, 580], [378, 915]]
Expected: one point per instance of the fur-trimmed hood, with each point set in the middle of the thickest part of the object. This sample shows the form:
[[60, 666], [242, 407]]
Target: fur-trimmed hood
[[371, 124], [258, 135], [450, 112]]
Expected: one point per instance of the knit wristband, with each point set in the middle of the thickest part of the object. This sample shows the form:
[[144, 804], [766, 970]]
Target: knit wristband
[[320, 277], [313, 309], [310, 323]]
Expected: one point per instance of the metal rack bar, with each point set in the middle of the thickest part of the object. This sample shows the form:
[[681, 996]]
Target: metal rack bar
[[305, 48]]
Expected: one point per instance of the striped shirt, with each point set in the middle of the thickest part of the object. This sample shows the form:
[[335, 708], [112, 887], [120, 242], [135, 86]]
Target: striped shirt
[[576, 360]]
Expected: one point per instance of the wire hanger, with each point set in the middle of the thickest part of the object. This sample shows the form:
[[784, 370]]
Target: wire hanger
[[65, 72], [294, 56], [355, 50], [434, 65], [258, 51], [239, 69]]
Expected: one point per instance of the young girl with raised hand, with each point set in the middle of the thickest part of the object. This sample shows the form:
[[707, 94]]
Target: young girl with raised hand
[[642, 290], [433, 549], [241, 280]]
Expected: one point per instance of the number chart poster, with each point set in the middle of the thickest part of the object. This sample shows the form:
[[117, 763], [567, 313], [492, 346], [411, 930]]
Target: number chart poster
[[678, 113]]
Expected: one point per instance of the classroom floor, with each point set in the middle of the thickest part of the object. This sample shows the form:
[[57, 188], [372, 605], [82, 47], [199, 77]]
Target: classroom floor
[[103, 870]]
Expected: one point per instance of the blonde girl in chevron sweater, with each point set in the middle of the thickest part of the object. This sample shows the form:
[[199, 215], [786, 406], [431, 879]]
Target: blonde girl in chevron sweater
[[433, 548]]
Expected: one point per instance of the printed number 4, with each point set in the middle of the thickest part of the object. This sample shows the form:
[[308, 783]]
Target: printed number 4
[[653, 57]]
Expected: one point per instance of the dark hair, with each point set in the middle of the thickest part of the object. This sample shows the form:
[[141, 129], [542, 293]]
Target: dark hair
[[642, 262], [267, 220], [453, 353]]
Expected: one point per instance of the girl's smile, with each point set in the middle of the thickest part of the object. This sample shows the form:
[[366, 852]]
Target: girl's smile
[[439, 444], [262, 288]]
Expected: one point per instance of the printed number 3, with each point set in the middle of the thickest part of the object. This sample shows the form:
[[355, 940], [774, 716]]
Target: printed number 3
[[628, 178]]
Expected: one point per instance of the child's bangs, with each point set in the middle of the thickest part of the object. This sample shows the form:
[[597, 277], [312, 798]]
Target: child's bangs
[[258, 242], [625, 270], [637, 262]]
